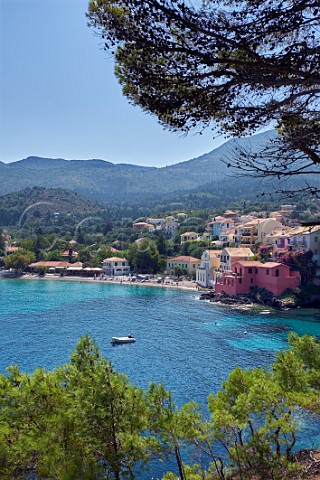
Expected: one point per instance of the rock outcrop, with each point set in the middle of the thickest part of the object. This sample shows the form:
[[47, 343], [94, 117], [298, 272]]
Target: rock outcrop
[[306, 296]]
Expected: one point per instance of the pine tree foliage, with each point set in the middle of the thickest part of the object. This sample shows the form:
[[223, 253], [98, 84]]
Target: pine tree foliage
[[237, 65], [86, 421]]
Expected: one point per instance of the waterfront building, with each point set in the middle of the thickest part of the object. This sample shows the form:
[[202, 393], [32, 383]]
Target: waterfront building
[[187, 263], [274, 277], [209, 268], [230, 255], [53, 266], [115, 266]]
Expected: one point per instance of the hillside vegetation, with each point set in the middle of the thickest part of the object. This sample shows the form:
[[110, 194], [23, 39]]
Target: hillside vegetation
[[106, 182], [38, 201]]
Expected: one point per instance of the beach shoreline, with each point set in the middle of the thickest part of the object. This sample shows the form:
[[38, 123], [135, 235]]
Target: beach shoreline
[[183, 284]]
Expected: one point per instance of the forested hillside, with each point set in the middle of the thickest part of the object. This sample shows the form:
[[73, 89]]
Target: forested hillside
[[41, 201], [106, 182]]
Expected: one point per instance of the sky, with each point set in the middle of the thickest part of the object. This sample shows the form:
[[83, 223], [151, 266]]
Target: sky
[[59, 97]]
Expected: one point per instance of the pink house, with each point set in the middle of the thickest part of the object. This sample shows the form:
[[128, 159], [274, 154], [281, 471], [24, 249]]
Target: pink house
[[272, 276]]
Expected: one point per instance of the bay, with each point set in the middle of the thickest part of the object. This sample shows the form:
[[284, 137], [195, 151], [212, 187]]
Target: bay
[[187, 344]]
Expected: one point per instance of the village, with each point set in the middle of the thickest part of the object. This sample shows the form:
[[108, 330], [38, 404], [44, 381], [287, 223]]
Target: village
[[238, 252]]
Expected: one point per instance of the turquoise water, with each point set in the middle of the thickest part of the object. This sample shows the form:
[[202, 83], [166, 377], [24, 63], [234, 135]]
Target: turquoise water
[[189, 345]]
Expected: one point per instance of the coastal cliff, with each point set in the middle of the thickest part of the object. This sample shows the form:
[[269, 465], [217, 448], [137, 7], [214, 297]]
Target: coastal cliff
[[307, 296]]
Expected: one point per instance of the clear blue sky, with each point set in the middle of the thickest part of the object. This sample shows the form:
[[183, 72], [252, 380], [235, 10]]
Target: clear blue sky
[[59, 97]]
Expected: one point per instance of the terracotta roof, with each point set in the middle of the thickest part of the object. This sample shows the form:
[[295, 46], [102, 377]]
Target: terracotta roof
[[66, 254], [115, 259], [218, 218], [271, 264], [143, 223], [183, 258], [13, 249], [51, 264], [301, 230], [256, 263], [214, 253], [239, 252], [188, 233], [246, 263]]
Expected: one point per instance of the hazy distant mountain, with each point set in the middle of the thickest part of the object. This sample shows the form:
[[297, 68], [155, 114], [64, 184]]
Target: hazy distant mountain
[[106, 182]]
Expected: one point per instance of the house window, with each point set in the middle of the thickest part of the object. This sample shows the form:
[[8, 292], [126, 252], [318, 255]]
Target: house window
[[267, 271], [256, 270], [115, 264], [277, 272], [240, 280], [251, 280], [250, 271]]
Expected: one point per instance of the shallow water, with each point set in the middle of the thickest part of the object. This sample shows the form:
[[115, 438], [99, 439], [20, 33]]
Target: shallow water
[[189, 345]]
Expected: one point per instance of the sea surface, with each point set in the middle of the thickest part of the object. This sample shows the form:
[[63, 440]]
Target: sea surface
[[187, 344]]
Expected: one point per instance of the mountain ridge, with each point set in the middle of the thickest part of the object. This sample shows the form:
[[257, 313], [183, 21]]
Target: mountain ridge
[[106, 182]]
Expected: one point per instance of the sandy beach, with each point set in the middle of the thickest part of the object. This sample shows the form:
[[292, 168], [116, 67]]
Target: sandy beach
[[183, 284]]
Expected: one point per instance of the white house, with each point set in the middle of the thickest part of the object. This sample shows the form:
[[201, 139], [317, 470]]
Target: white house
[[210, 266], [189, 237], [116, 266]]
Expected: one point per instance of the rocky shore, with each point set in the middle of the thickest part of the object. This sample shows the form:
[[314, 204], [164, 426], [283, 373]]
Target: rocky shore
[[309, 296]]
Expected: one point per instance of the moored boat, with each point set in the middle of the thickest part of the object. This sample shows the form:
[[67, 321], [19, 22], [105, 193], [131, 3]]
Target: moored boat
[[118, 340]]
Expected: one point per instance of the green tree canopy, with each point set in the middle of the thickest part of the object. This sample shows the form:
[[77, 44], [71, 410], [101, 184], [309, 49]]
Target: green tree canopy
[[240, 65], [86, 421], [20, 260]]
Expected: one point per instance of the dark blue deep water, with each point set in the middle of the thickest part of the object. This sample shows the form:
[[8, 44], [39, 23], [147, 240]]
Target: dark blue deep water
[[189, 345]]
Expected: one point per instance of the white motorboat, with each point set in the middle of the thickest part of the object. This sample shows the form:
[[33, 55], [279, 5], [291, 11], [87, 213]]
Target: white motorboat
[[118, 340]]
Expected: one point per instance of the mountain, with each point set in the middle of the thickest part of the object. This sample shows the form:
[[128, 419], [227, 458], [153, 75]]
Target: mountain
[[107, 182]]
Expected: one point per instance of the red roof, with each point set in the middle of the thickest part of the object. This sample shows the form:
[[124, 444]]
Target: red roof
[[256, 263], [184, 259], [66, 254], [51, 264]]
